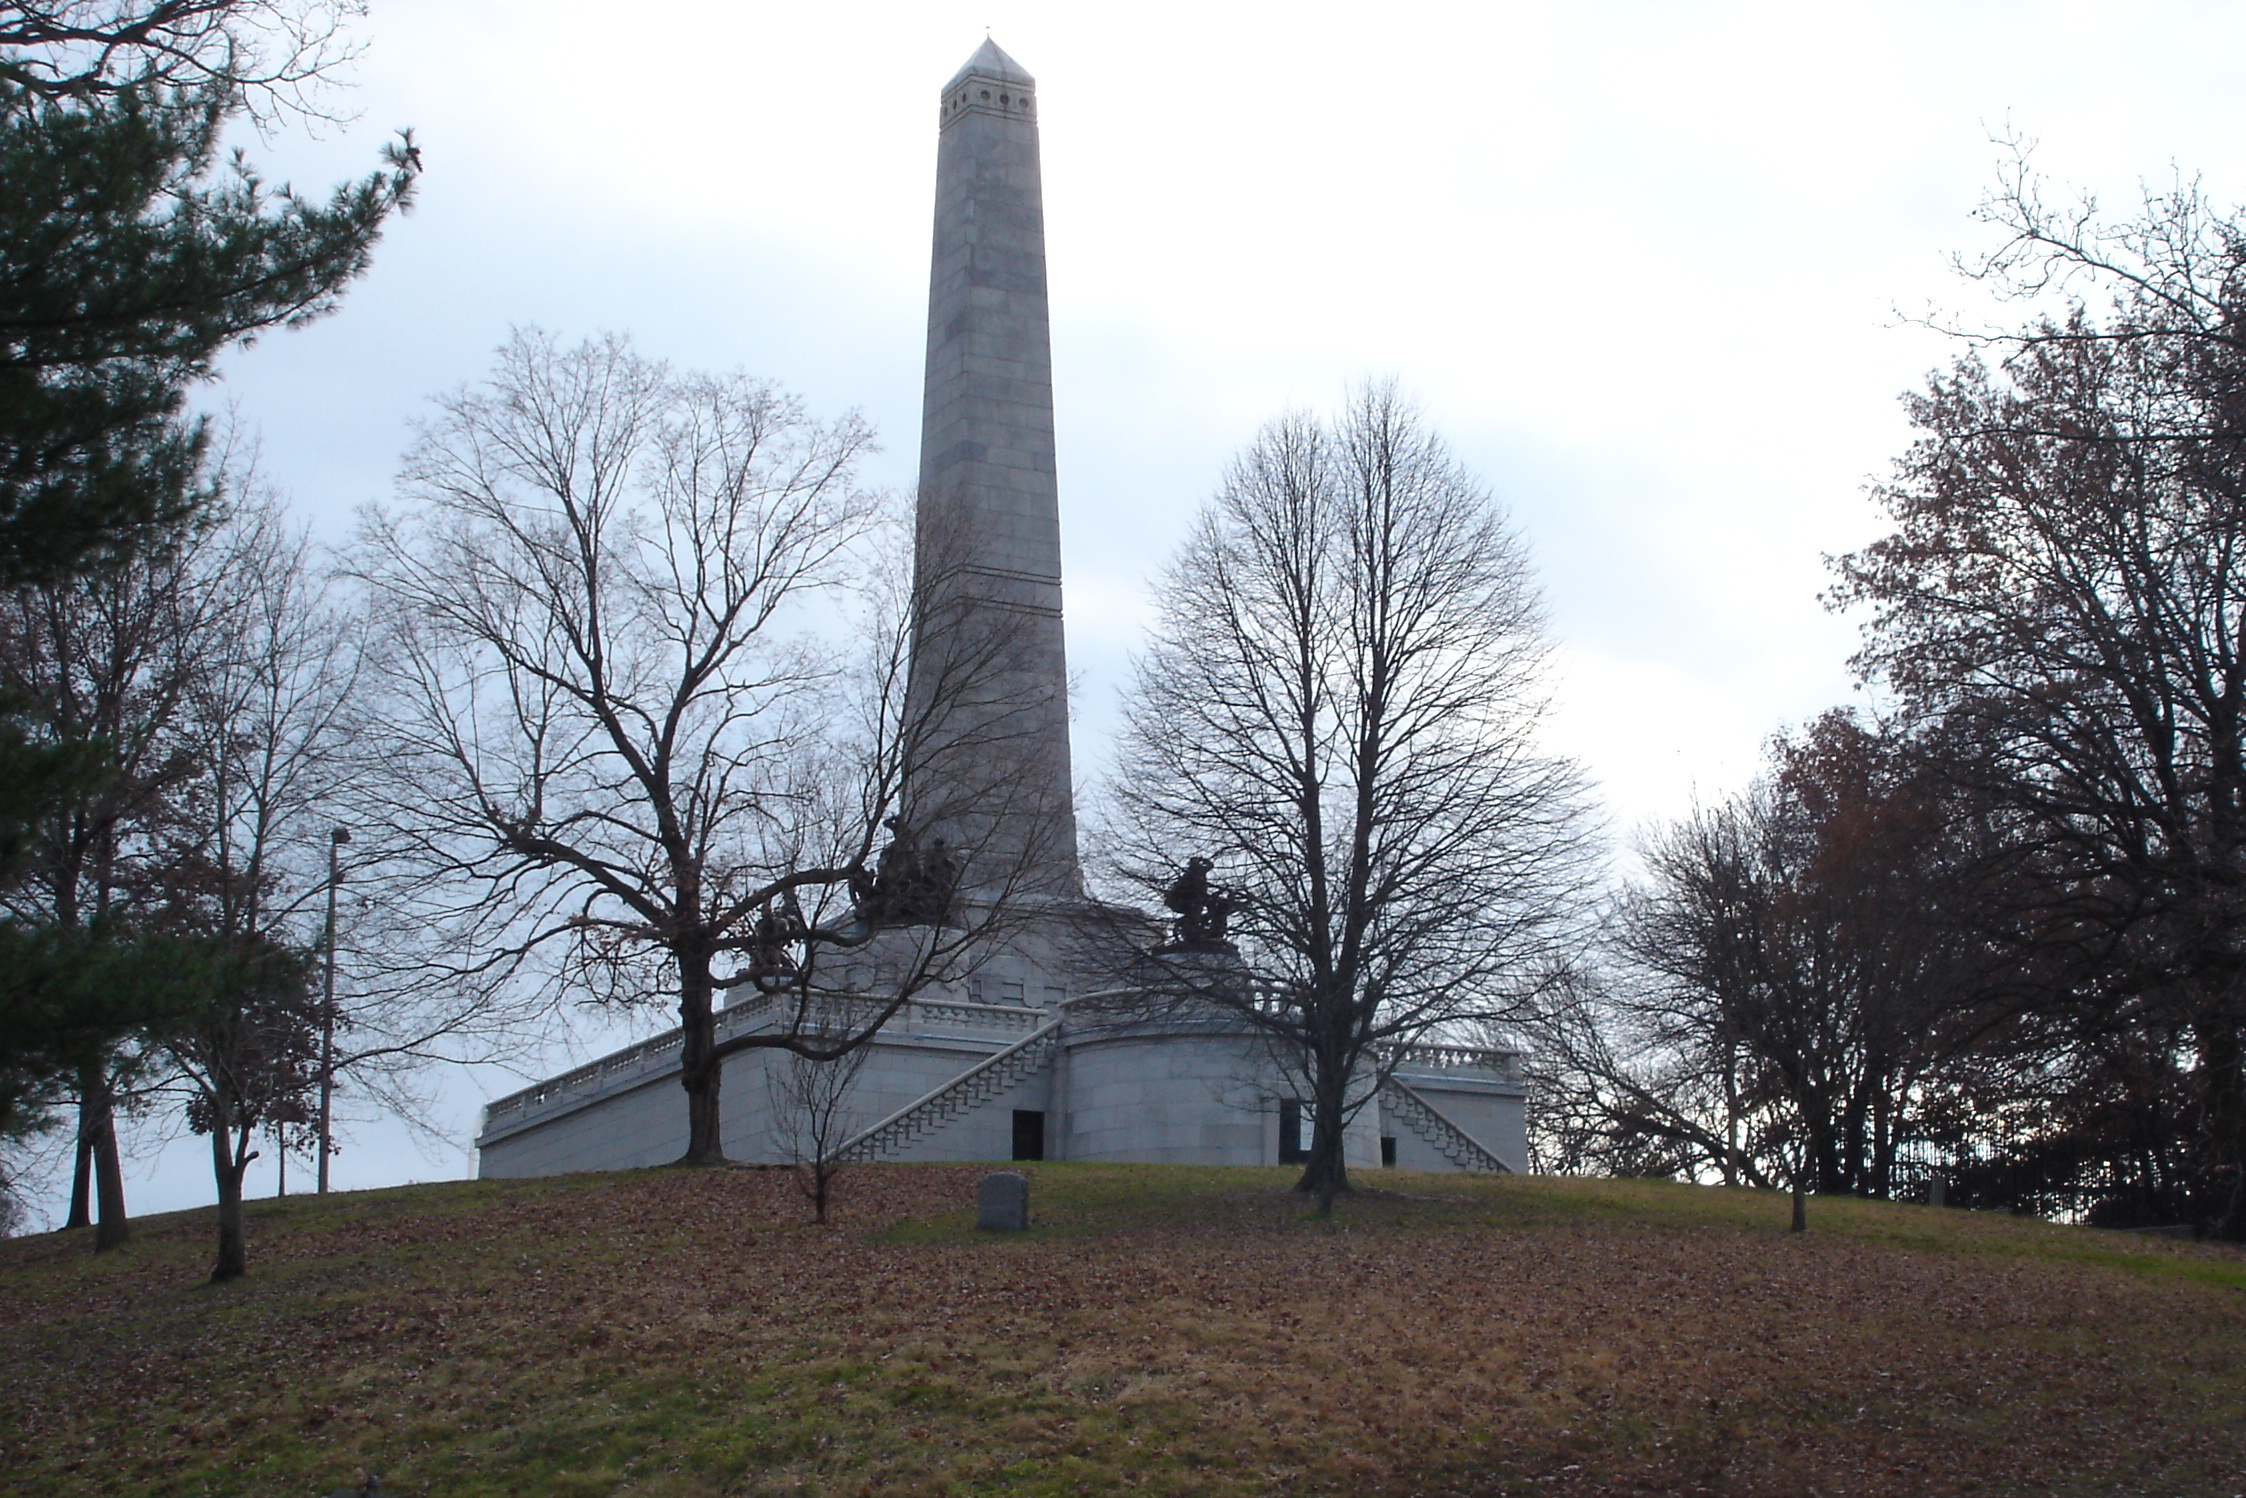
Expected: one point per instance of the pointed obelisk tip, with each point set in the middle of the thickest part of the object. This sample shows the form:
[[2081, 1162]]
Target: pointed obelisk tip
[[990, 61]]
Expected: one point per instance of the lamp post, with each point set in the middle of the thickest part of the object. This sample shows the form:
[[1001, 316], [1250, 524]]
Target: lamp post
[[336, 840]]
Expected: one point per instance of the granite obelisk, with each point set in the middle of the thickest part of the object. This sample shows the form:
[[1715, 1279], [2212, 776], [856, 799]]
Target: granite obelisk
[[989, 673]]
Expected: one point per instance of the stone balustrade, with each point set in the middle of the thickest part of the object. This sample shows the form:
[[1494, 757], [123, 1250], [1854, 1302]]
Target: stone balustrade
[[927, 1014], [1424, 1057], [918, 1016], [660, 1052]]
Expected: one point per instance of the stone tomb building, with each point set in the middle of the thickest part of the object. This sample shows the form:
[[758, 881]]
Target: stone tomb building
[[1001, 1070]]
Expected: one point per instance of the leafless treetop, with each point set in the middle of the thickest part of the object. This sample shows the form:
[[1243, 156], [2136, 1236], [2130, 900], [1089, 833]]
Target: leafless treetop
[[275, 52]]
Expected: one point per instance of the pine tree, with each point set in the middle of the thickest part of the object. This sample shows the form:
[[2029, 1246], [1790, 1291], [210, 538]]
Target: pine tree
[[131, 257]]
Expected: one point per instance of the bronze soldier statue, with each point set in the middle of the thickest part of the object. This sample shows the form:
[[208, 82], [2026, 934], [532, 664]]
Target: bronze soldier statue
[[1204, 910], [908, 887]]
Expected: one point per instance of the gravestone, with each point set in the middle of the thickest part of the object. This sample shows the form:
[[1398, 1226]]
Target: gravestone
[[1002, 1202]]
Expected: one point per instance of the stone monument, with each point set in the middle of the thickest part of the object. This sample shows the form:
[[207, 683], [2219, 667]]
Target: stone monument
[[1004, 1064], [989, 674]]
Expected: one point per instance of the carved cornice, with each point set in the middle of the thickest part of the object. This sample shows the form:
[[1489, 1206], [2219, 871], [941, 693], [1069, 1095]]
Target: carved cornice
[[980, 93]]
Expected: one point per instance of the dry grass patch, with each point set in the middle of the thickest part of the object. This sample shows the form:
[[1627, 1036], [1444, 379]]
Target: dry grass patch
[[1163, 1330]]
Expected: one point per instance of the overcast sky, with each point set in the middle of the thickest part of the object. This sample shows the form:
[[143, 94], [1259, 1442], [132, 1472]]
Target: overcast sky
[[1650, 267]]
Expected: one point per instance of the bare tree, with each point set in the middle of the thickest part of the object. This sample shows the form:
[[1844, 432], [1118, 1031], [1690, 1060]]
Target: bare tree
[[1339, 709], [1794, 980], [2063, 592], [260, 738], [15, 1215], [810, 1102], [274, 733], [635, 755], [219, 676], [271, 52], [248, 1049], [1626, 1082]]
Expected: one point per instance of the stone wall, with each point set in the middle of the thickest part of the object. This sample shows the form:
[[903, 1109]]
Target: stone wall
[[1186, 1092], [1165, 1094]]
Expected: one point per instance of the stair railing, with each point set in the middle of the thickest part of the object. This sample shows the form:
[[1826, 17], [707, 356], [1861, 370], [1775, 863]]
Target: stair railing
[[1429, 1122], [929, 1110]]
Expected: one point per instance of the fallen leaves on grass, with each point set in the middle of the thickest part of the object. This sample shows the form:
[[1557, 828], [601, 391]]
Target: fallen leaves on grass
[[672, 1332]]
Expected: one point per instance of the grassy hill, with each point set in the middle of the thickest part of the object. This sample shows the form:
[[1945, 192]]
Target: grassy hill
[[1162, 1330]]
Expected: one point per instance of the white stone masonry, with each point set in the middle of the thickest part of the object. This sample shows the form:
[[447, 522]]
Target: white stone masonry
[[989, 542]]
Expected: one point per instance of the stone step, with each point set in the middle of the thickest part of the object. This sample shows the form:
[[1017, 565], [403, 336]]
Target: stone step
[[1452, 1142], [971, 1089]]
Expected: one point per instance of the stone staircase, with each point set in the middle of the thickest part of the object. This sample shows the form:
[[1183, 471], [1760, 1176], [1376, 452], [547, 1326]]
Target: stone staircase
[[659, 1053], [972, 1088], [1427, 1121]]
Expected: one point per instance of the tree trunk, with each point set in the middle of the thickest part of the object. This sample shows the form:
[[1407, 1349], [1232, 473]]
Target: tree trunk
[[1851, 1147], [1883, 1144], [1824, 1151], [1735, 1158], [1801, 1203], [82, 1176], [1326, 1172], [114, 1229], [700, 1069], [2223, 1062], [227, 1163]]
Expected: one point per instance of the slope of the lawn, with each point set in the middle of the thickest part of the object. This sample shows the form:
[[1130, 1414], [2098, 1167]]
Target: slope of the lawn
[[1162, 1330]]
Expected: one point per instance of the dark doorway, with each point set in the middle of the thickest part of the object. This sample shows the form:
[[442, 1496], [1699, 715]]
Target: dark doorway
[[1294, 1132], [1388, 1149], [1029, 1134]]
